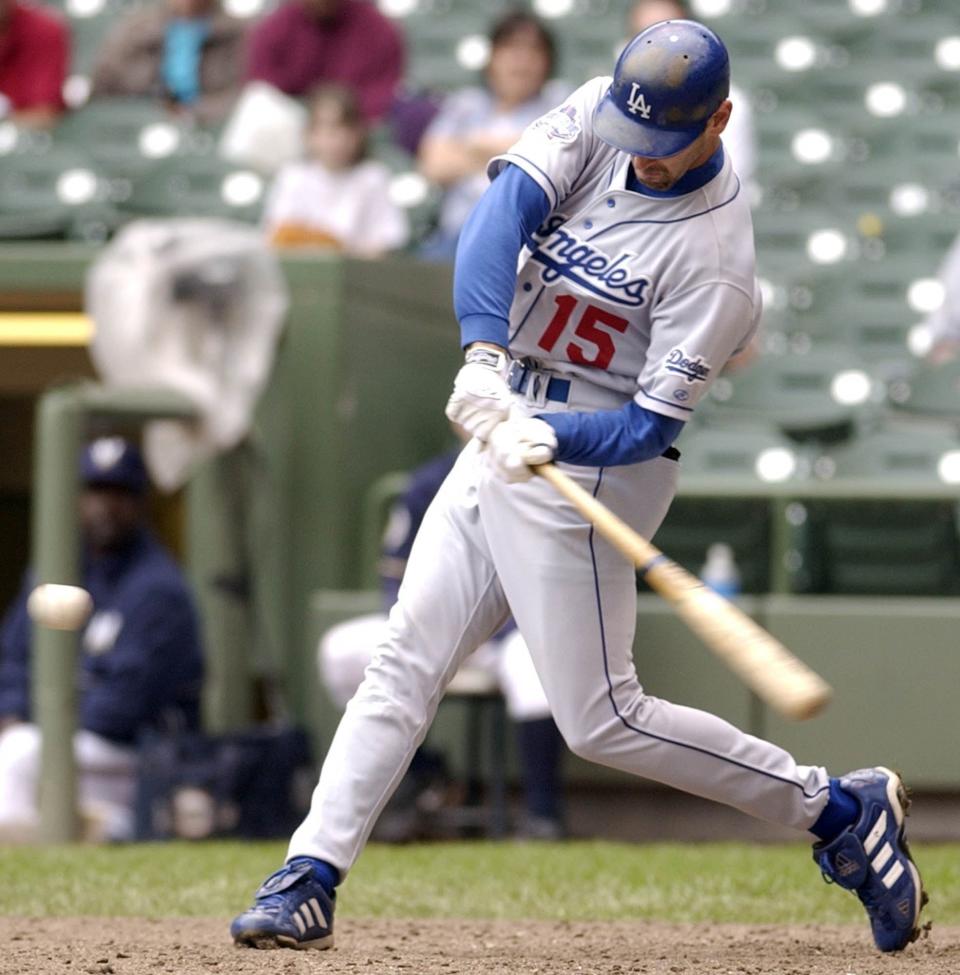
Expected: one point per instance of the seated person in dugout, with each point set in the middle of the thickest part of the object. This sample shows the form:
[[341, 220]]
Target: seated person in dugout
[[140, 664]]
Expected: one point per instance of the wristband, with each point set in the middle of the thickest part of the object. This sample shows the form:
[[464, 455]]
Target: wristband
[[491, 358]]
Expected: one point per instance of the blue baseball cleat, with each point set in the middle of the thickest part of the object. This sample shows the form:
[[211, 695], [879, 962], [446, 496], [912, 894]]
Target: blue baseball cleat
[[872, 858], [291, 909]]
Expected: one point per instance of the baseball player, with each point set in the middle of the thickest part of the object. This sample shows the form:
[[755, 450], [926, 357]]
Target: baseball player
[[601, 284]]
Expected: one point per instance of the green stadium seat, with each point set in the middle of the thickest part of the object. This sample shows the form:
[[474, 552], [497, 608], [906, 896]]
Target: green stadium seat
[[928, 392], [197, 186], [815, 396], [47, 192], [887, 546], [724, 476], [126, 137]]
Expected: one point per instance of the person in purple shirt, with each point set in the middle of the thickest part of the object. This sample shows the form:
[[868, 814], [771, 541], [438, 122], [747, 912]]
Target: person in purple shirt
[[304, 42]]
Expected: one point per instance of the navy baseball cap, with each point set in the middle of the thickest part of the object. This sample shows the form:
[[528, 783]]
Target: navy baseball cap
[[113, 462]]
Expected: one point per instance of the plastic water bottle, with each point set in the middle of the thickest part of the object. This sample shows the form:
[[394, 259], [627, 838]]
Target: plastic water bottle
[[720, 570]]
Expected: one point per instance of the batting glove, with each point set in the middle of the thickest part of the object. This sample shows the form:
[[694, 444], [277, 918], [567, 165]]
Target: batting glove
[[516, 444], [481, 398]]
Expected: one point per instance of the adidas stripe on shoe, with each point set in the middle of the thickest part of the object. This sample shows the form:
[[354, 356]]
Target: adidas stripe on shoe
[[292, 909], [872, 858]]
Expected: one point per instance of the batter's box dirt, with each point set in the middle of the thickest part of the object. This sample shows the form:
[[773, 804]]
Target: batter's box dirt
[[201, 946]]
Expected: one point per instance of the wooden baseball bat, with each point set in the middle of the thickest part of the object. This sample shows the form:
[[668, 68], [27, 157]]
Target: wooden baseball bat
[[761, 661]]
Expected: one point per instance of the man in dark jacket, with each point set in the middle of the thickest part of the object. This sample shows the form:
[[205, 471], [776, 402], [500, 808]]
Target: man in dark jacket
[[140, 665]]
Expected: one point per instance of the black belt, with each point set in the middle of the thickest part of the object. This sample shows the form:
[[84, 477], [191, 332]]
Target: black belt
[[671, 453]]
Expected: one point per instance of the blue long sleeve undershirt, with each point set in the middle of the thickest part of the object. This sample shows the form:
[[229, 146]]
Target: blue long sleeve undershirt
[[485, 277]]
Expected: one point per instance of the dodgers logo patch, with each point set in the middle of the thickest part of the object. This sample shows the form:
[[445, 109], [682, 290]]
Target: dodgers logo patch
[[560, 125], [695, 370]]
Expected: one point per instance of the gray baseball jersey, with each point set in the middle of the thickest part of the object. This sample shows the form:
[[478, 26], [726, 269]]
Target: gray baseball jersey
[[645, 295]]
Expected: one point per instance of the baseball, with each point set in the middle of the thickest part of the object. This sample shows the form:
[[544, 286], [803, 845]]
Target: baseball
[[59, 607]]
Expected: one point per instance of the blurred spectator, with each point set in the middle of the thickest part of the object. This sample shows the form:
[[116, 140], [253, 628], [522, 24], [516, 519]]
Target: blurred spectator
[[141, 664], [346, 649], [477, 123], [185, 52], [34, 54], [943, 325], [304, 42], [739, 139], [337, 197]]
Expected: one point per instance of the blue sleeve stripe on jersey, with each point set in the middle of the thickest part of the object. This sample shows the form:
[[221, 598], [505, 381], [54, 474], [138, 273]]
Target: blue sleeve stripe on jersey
[[666, 402], [553, 186], [485, 275], [692, 216], [533, 304], [609, 437]]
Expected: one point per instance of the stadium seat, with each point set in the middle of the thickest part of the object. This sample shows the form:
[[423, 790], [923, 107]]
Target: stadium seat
[[725, 475], [126, 137], [928, 392], [816, 396], [47, 192], [203, 186], [887, 545]]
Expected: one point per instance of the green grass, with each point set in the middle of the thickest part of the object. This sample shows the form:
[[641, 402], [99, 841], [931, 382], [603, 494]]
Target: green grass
[[576, 880]]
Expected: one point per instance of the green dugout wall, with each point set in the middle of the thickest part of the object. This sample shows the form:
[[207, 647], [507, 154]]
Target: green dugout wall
[[361, 378]]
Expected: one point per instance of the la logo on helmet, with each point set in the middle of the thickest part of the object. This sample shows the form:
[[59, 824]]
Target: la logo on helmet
[[637, 103]]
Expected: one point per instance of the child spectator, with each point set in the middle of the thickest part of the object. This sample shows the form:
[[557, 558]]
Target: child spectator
[[305, 42], [185, 52], [34, 53], [336, 197], [477, 123]]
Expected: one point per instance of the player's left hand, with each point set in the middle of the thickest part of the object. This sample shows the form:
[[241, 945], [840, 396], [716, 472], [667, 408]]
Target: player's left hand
[[517, 443]]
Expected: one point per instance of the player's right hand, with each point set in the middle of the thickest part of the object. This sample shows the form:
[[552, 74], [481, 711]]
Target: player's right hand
[[480, 398], [517, 444]]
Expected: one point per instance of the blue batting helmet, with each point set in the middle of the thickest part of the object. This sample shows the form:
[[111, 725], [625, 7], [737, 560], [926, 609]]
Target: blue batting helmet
[[667, 83]]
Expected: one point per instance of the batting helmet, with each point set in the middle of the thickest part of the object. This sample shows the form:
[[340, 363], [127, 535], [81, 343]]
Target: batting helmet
[[667, 83]]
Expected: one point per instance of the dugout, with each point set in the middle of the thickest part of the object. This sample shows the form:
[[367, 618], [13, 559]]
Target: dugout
[[357, 392]]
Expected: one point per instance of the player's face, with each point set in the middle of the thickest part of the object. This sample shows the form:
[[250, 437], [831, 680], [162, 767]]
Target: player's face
[[661, 174]]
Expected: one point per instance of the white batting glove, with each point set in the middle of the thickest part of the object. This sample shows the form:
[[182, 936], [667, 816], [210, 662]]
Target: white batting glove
[[480, 398], [516, 444]]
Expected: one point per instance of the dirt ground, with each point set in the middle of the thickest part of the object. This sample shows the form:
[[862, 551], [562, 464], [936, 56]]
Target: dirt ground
[[128, 946]]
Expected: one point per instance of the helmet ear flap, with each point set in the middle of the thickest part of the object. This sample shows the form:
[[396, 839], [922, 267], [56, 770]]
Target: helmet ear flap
[[667, 84]]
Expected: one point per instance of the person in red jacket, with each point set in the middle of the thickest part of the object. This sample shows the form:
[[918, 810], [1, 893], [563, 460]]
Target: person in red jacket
[[34, 55], [304, 42]]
